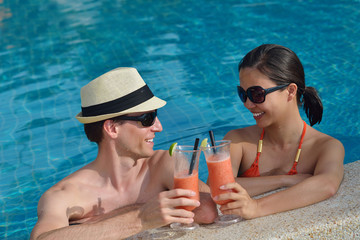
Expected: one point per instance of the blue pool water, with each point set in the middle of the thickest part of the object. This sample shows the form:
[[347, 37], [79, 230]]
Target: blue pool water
[[187, 52]]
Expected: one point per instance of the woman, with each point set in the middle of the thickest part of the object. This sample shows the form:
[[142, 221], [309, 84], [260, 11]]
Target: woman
[[281, 150]]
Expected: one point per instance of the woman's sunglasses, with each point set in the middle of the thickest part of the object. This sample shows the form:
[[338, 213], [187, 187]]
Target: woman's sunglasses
[[146, 119], [257, 94]]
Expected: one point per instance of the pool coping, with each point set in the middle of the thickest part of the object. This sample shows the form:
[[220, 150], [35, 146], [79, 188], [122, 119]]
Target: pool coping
[[334, 218]]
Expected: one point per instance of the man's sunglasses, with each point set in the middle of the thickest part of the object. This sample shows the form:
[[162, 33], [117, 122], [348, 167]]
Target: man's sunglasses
[[146, 119], [257, 94]]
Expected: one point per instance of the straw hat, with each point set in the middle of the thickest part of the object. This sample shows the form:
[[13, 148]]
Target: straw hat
[[118, 92]]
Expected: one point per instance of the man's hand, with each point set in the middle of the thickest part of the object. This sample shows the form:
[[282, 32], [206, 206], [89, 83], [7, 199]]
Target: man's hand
[[161, 210]]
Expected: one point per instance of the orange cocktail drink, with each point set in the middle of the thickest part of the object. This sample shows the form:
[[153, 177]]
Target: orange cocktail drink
[[220, 173], [219, 167], [186, 170], [186, 181], [186, 176]]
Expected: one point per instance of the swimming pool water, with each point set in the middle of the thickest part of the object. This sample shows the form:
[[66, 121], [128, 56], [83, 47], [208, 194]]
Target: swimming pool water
[[187, 52]]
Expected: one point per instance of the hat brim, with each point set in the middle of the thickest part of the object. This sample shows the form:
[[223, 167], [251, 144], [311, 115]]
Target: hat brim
[[151, 104]]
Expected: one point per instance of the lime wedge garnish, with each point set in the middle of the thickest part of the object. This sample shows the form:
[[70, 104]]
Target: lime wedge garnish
[[204, 143], [172, 148]]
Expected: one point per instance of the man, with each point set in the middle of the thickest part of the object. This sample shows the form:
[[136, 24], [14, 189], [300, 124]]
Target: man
[[125, 190]]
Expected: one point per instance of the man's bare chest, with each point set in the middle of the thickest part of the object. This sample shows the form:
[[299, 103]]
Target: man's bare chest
[[96, 201]]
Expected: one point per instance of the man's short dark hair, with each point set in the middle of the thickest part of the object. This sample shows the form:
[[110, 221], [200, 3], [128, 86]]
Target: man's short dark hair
[[94, 132]]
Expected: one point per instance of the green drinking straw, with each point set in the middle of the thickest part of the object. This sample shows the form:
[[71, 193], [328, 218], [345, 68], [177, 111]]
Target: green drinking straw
[[194, 156]]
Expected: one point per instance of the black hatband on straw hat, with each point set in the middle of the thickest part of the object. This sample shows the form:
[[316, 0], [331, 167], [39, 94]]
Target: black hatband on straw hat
[[128, 101]]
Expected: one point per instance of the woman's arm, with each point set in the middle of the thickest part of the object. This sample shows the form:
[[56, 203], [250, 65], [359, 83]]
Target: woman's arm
[[327, 177], [256, 185], [259, 185]]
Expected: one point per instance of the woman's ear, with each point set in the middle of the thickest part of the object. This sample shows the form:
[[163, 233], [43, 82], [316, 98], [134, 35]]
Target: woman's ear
[[110, 128], [292, 89]]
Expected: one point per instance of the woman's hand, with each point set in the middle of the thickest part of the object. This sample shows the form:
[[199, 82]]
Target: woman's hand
[[242, 204]]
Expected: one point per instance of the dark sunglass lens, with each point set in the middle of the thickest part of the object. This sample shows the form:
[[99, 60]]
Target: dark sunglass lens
[[242, 94], [256, 94], [149, 119]]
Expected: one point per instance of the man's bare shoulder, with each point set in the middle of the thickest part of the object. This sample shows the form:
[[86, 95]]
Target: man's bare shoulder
[[63, 201], [159, 157], [161, 165], [62, 192], [69, 187]]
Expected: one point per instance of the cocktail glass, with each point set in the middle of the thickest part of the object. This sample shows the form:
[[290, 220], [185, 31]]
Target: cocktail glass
[[220, 173], [186, 176]]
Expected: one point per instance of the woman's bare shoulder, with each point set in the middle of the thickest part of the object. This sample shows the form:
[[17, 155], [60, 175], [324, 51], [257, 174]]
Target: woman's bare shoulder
[[326, 146], [318, 138], [243, 134]]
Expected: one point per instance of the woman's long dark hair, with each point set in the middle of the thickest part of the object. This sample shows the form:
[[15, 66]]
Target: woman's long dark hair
[[282, 66]]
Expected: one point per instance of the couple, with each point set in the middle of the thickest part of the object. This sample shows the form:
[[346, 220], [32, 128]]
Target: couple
[[128, 188]]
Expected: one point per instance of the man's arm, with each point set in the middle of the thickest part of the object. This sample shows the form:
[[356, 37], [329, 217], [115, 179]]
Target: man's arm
[[207, 212], [53, 220], [120, 223]]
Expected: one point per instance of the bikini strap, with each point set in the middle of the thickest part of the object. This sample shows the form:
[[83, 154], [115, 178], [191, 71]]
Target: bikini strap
[[300, 143], [255, 165], [259, 148]]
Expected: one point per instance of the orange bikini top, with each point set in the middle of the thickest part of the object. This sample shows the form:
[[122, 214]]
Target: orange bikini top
[[253, 171]]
